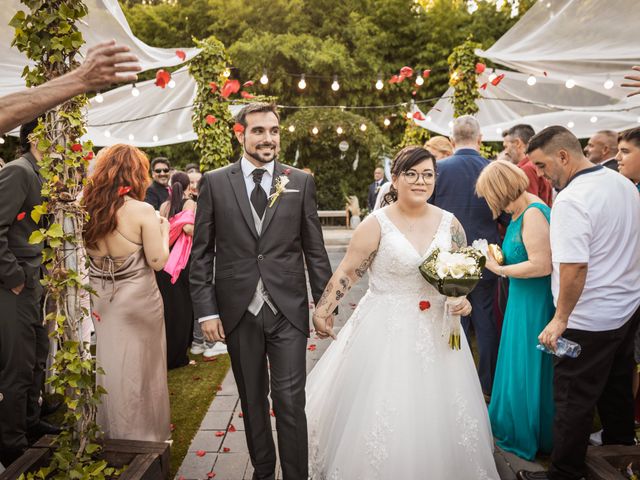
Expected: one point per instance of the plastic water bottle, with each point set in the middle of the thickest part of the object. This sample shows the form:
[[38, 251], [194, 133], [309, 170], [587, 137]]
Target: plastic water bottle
[[564, 348]]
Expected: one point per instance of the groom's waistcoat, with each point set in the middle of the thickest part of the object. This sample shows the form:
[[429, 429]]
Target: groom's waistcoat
[[227, 231]]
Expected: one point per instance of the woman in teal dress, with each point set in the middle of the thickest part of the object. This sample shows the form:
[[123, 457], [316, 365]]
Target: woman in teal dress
[[521, 408]]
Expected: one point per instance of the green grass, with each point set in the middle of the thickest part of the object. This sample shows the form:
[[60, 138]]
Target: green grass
[[191, 390]]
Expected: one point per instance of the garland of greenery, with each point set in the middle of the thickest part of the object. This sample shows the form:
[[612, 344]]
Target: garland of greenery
[[211, 116], [48, 35], [463, 78]]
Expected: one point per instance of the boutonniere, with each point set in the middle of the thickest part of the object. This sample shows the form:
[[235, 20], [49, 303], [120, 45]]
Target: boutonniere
[[281, 187]]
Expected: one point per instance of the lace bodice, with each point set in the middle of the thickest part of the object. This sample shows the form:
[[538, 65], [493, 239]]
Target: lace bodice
[[395, 268]]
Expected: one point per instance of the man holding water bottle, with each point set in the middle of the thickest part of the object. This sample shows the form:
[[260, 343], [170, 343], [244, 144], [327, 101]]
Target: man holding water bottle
[[595, 246]]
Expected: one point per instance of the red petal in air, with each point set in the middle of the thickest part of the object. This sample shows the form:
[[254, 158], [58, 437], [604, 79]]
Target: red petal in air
[[484, 86], [247, 84], [76, 147], [21, 216], [201, 453], [122, 191], [220, 434], [480, 67], [406, 72], [418, 116], [162, 78], [96, 316], [424, 305], [226, 449], [544, 73], [181, 55], [246, 95], [211, 474], [210, 119], [497, 80], [229, 88], [214, 87], [231, 428], [426, 73], [238, 128], [88, 156], [311, 347]]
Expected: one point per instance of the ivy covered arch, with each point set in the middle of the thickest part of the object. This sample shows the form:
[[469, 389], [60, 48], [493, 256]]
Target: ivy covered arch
[[333, 168]]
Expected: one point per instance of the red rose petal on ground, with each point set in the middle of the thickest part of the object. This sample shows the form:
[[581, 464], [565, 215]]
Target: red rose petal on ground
[[220, 434], [210, 119], [418, 116], [226, 449], [21, 216], [232, 428], [311, 347], [76, 147], [238, 128], [230, 87], [480, 67], [247, 84], [497, 80], [406, 72], [246, 95], [162, 78], [211, 474], [426, 73], [181, 55], [214, 87], [287, 171], [424, 305], [201, 453]]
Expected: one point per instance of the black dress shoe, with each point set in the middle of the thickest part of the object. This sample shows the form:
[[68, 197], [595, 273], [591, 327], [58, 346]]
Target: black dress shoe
[[525, 475], [49, 407], [9, 455], [42, 428]]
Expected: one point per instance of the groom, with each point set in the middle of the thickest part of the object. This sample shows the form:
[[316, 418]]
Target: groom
[[255, 298]]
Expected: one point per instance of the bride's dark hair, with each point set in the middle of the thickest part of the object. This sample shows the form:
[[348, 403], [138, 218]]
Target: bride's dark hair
[[404, 160]]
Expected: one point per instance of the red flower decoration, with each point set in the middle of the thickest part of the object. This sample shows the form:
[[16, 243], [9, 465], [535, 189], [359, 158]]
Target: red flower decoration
[[287, 171], [230, 87], [311, 347], [220, 434], [210, 119], [226, 449], [89, 155], [238, 128], [162, 78], [247, 84], [246, 95], [76, 147], [484, 86], [214, 87], [96, 316], [426, 73], [181, 55], [414, 93], [406, 72], [394, 79], [122, 191], [201, 453], [497, 80], [211, 474], [480, 67], [418, 116], [425, 305], [21, 216], [231, 428]]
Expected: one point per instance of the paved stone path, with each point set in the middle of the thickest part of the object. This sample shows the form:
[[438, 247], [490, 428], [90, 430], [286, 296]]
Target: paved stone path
[[226, 450]]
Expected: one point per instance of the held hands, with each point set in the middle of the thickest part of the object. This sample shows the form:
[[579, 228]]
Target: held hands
[[213, 331], [463, 308], [324, 326], [554, 329], [103, 63]]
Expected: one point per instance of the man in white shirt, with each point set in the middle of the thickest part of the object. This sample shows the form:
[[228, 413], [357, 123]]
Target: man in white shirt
[[595, 245]]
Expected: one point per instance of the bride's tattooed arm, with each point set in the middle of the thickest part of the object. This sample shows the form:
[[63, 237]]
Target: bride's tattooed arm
[[458, 237]]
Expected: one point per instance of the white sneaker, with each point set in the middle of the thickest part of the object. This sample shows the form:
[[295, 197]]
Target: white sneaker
[[595, 438], [217, 349], [197, 348]]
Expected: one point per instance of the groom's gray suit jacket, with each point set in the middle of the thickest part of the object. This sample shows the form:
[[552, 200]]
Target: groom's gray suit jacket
[[225, 231]]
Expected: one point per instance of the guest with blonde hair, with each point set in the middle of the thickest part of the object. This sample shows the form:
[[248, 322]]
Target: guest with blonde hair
[[521, 408], [439, 146]]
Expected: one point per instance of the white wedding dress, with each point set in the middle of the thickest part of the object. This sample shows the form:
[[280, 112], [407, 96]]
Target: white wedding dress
[[389, 399]]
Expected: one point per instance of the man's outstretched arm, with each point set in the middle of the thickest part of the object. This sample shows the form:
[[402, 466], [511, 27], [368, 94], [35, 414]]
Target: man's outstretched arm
[[100, 69]]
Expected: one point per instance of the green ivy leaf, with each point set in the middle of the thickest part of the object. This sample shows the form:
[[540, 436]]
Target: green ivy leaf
[[36, 237]]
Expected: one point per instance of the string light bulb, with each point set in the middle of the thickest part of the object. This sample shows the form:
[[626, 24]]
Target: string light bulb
[[99, 98], [315, 130], [531, 81], [134, 91], [379, 83], [131, 137], [419, 80], [226, 72], [107, 133], [335, 86], [499, 131], [172, 83], [570, 83], [264, 79], [339, 130], [363, 127], [593, 119], [608, 84], [1, 140], [571, 124], [387, 122], [155, 138], [292, 128], [409, 115], [302, 84], [179, 136]]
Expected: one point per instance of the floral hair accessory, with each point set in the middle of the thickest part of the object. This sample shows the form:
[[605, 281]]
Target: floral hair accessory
[[122, 191]]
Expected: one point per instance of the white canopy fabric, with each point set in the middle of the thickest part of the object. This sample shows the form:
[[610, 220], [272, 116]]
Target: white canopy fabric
[[589, 42]]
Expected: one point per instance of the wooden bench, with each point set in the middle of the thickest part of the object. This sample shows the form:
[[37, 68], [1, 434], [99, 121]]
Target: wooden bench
[[329, 214]]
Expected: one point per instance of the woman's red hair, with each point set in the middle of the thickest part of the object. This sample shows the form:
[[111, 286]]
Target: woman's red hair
[[118, 166]]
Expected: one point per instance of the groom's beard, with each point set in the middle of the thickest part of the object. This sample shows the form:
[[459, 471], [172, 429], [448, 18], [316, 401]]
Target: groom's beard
[[256, 155]]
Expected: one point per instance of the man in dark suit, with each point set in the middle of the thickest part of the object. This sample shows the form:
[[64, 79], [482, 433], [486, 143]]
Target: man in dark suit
[[602, 149], [24, 343], [256, 297], [374, 188], [455, 192], [158, 191]]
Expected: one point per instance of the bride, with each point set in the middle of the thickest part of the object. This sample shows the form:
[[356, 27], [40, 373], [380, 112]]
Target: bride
[[390, 399]]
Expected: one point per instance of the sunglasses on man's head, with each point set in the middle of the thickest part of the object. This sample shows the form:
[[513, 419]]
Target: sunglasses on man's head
[[160, 170]]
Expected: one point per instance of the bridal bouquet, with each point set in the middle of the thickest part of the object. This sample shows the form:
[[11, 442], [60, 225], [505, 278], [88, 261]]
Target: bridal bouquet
[[455, 275]]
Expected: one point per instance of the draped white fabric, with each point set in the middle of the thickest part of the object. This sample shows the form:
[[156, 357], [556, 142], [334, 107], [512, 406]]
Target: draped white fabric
[[586, 41]]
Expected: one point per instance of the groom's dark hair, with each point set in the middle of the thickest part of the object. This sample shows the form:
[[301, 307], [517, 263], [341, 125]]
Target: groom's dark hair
[[256, 107]]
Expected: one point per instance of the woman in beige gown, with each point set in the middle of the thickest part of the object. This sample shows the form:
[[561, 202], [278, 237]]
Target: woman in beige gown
[[126, 241]]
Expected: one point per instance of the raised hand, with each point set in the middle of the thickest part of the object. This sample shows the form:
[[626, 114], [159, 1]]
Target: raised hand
[[105, 64], [635, 84]]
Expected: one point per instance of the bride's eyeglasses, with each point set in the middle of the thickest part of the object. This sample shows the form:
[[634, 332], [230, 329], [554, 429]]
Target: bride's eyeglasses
[[411, 176]]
